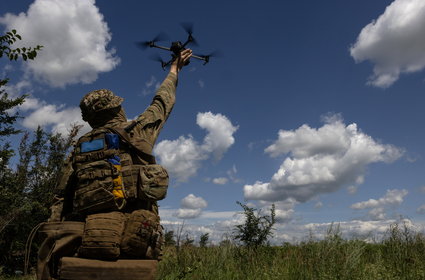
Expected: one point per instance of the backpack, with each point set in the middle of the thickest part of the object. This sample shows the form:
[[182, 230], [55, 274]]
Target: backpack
[[110, 171]]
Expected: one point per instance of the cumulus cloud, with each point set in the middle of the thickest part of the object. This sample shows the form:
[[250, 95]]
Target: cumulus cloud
[[392, 197], [193, 202], [220, 133], [191, 207], [183, 157], [74, 36], [379, 207], [394, 43], [320, 161], [58, 117], [39, 113]]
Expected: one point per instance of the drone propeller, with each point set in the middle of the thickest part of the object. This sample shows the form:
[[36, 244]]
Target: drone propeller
[[188, 27], [160, 37], [206, 57], [157, 57]]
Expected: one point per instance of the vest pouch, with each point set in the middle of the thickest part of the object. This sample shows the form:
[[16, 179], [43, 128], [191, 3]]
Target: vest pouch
[[140, 235], [153, 182], [95, 188], [95, 197], [102, 236]]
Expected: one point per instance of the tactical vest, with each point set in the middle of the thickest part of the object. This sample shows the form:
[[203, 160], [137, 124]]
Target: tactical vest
[[111, 171]]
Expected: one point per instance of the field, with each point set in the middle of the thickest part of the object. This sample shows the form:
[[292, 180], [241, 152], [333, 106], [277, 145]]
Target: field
[[401, 255]]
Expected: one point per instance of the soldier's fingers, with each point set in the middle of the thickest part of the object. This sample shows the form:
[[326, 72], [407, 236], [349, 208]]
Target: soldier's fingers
[[186, 55], [186, 52]]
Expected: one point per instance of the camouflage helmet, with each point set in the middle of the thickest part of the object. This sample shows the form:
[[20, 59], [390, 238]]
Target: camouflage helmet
[[98, 100]]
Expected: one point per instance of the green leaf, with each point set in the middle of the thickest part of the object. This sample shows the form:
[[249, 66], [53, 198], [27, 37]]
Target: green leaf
[[16, 57], [24, 56], [13, 31], [18, 36]]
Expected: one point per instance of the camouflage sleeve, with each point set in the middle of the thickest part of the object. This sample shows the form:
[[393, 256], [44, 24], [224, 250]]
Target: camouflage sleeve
[[152, 120], [165, 97]]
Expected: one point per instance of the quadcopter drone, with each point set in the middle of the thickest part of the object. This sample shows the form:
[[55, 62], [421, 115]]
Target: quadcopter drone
[[176, 47]]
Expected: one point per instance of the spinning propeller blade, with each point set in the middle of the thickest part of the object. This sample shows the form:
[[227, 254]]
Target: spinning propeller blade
[[188, 27], [206, 57], [158, 58], [160, 37]]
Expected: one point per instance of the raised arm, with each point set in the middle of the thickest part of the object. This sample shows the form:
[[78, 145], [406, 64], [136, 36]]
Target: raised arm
[[150, 122]]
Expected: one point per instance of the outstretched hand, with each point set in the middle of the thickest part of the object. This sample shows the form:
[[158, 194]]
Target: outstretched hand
[[181, 61]]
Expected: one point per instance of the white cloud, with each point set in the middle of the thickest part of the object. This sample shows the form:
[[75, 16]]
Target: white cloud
[[58, 117], [220, 180], [191, 207], [379, 207], [193, 202], [392, 197], [220, 133], [284, 216], [394, 43], [320, 161], [367, 230], [221, 226], [74, 36], [183, 157], [318, 205], [184, 213], [39, 113]]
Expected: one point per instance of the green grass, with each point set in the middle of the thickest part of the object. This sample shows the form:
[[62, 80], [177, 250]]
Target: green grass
[[400, 256]]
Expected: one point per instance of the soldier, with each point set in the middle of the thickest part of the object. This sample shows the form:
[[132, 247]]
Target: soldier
[[107, 195]]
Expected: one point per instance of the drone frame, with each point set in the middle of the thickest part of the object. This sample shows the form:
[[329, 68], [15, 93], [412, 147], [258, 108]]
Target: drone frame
[[175, 48]]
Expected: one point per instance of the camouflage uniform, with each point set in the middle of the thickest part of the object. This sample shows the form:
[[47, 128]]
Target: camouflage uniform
[[101, 108], [96, 108]]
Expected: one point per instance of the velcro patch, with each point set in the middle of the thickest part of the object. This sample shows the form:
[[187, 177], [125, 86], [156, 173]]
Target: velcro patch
[[94, 145]]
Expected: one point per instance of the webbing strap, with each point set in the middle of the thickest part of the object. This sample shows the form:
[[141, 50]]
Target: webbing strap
[[126, 139]]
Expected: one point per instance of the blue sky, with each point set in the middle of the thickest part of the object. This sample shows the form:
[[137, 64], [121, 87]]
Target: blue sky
[[314, 106]]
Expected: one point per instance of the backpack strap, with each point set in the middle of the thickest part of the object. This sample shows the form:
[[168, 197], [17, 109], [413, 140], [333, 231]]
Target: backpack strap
[[126, 139]]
